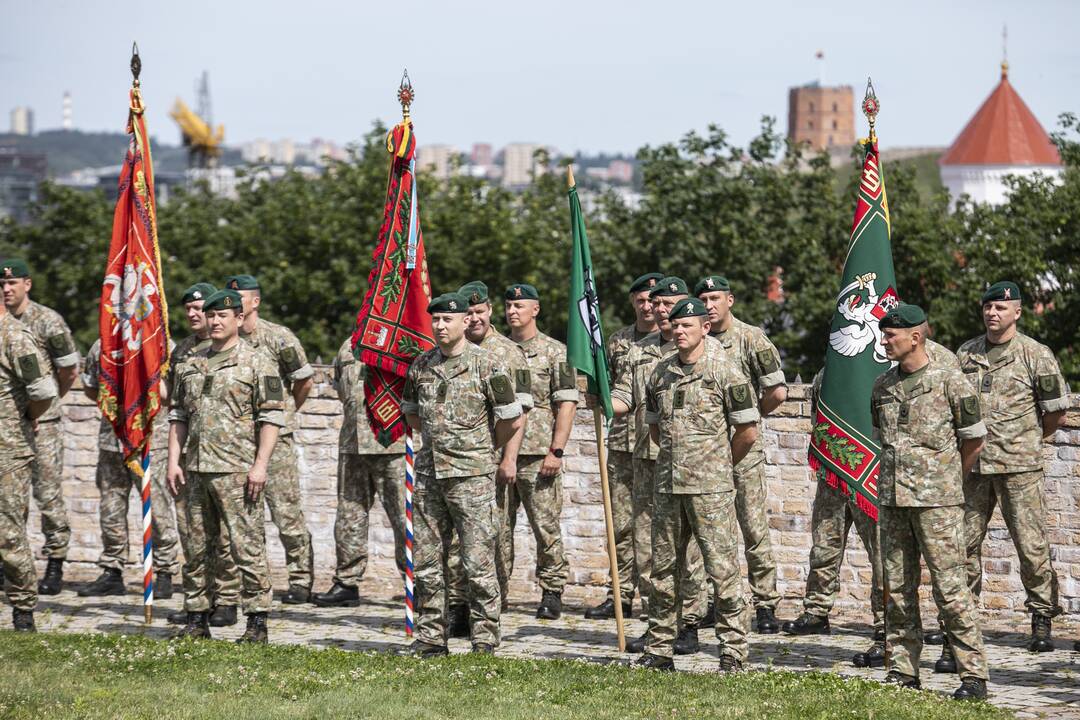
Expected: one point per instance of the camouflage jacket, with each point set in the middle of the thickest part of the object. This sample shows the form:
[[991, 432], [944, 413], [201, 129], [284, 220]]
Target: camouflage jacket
[[23, 377], [551, 380], [695, 410], [54, 339], [223, 398], [635, 367], [356, 436], [621, 436], [180, 352], [288, 354], [1015, 388], [757, 357], [458, 399], [107, 439], [919, 421], [510, 356]]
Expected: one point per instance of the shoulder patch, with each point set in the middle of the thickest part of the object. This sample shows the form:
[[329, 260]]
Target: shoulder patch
[[767, 362], [523, 380], [1048, 388], [290, 359], [969, 411], [567, 376], [59, 345], [740, 397], [501, 389], [29, 367], [272, 387]]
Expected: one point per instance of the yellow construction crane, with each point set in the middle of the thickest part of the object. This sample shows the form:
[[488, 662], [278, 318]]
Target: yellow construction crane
[[202, 141]]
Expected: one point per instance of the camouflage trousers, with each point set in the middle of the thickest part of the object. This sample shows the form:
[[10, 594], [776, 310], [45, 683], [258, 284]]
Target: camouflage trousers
[[831, 522], [1023, 507], [542, 500], [359, 478], [16, 557], [48, 485], [710, 519], [115, 483], [215, 500], [457, 585], [286, 510], [465, 506], [752, 512], [936, 534], [221, 568], [620, 468], [693, 590]]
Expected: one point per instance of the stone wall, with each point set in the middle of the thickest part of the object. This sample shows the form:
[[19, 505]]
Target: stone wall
[[791, 495]]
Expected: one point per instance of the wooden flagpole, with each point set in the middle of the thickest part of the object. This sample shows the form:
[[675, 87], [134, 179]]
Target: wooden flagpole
[[605, 489]]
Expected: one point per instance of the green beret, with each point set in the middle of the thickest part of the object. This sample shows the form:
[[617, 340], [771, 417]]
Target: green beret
[[690, 307], [646, 282], [903, 316], [709, 283], [669, 286], [475, 292], [223, 300], [15, 268], [522, 291], [453, 302], [241, 282], [1004, 290], [198, 291]]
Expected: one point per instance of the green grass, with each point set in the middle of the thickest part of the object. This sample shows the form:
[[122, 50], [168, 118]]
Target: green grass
[[114, 677]]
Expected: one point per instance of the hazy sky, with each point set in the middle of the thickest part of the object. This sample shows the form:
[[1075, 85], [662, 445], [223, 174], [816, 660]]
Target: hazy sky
[[609, 75]]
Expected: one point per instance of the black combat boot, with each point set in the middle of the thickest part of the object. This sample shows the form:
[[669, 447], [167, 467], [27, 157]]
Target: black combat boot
[[197, 627], [947, 662], [163, 586], [1040, 634], [223, 616], [457, 622], [766, 621], [807, 624], [971, 688], [934, 637], [177, 617], [255, 631], [648, 661], [875, 656], [686, 642], [550, 606], [420, 649], [54, 578], [729, 664], [338, 596], [895, 677], [23, 620], [606, 610], [637, 645], [297, 595], [709, 620], [109, 582]]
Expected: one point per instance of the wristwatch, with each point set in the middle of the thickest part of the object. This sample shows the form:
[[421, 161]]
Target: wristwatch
[[557, 452]]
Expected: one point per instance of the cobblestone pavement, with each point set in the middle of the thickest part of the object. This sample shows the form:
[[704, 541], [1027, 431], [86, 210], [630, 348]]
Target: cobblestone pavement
[[1046, 685]]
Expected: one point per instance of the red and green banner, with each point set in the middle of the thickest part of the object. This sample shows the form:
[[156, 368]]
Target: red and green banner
[[842, 450], [393, 325]]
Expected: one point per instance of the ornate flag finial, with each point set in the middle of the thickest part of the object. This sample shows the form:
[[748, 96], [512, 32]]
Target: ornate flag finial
[[405, 94], [136, 64], [871, 107]]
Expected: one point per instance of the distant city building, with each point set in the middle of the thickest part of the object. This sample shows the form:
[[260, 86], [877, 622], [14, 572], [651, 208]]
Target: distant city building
[[482, 154], [20, 175], [289, 152], [438, 159], [22, 121], [822, 116], [519, 165], [1003, 139], [620, 171], [68, 117]]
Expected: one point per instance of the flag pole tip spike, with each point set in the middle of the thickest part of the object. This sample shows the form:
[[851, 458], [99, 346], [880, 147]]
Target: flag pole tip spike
[[136, 63], [570, 176]]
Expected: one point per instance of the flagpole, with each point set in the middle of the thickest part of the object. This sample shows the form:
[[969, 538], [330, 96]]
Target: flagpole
[[410, 578]]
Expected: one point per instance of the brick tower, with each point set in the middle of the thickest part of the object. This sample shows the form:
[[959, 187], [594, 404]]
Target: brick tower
[[822, 116]]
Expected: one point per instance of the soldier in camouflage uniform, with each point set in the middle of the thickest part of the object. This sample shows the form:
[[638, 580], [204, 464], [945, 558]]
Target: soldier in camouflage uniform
[[283, 489], [365, 468], [464, 406], [225, 583], [26, 391], [115, 483], [926, 417], [629, 389], [61, 362], [701, 412], [759, 360], [511, 357], [538, 484], [228, 406], [1023, 398], [620, 452]]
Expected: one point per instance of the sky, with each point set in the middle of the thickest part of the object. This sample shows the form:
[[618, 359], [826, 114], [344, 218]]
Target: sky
[[594, 76]]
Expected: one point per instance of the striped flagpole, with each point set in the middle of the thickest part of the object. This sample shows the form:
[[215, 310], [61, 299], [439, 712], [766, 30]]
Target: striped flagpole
[[409, 578], [148, 539]]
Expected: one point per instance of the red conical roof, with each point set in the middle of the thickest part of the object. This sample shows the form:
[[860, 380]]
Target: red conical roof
[[1003, 132]]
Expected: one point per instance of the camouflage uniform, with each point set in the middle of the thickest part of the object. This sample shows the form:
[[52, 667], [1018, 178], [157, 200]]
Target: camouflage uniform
[[223, 398], [551, 381], [630, 387], [115, 483], [920, 419], [759, 360], [58, 346], [1017, 383], [225, 583], [283, 484], [365, 468], [457, 399], [23, 377], [695, 408]]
